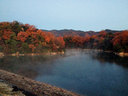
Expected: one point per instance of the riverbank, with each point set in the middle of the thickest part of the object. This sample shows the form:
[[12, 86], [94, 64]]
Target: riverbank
[[8, 90], [122, 54], [31, 54], [32, 86]]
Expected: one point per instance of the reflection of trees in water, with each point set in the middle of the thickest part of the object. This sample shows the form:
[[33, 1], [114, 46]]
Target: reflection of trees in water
[[25, 65], [78, 51], [111, 58]]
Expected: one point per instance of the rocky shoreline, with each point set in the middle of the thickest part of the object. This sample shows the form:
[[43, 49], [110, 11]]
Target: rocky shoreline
[[31, 54], [33, 87], [8, 90], [122, 54]]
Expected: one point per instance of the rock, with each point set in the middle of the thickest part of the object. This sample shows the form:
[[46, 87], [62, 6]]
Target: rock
[[32, 86], [1, 54], [122, 54], [7, 90]]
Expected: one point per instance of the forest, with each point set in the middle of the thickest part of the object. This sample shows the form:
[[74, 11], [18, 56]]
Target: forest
[[25, 38]]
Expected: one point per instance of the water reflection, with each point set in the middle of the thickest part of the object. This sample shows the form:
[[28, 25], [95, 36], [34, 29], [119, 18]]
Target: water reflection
[[87, 72], [27, 65], [111, 58]]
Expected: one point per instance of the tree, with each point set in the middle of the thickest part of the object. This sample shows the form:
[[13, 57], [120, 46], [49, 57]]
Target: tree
[[120, 41]]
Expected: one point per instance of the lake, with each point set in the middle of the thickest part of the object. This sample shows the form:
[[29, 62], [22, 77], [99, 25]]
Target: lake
[[87, 72]]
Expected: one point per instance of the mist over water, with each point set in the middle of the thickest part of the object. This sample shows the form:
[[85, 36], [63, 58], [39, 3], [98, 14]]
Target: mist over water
[[87, 72]]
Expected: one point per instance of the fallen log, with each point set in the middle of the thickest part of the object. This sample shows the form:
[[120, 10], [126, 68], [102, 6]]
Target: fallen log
[[35, 87]]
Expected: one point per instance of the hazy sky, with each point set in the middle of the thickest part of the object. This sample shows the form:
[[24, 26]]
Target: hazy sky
[[67, 14]]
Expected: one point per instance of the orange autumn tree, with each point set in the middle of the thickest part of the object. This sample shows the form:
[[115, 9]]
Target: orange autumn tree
[[54, 43], [22, 36], [31, 46], [78, 41], [60, 42], [38, 40], [102, 33], [120, 41]]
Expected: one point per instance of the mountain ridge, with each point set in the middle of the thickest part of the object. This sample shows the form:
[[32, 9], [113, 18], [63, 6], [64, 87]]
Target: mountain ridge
[[78, 32]]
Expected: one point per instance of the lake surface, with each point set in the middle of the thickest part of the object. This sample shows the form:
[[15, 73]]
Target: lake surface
[[87, 72]]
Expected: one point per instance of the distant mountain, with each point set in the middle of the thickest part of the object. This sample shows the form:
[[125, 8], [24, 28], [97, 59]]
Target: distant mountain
[[112, 31], [76, 32], [71, 32]]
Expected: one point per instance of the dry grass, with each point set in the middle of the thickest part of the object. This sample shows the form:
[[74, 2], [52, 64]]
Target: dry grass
[[6, 90]]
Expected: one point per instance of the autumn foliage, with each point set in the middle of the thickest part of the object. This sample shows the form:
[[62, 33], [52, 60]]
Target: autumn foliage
[[120, 41], [25, 38], [117, 42]]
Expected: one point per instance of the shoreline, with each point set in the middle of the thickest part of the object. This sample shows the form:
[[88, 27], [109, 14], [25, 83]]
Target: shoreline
[[30, 54], [7, 89], [121, 54], [35, 87]]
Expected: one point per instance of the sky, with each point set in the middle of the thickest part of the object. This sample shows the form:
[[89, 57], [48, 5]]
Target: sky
[[83, 15]]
